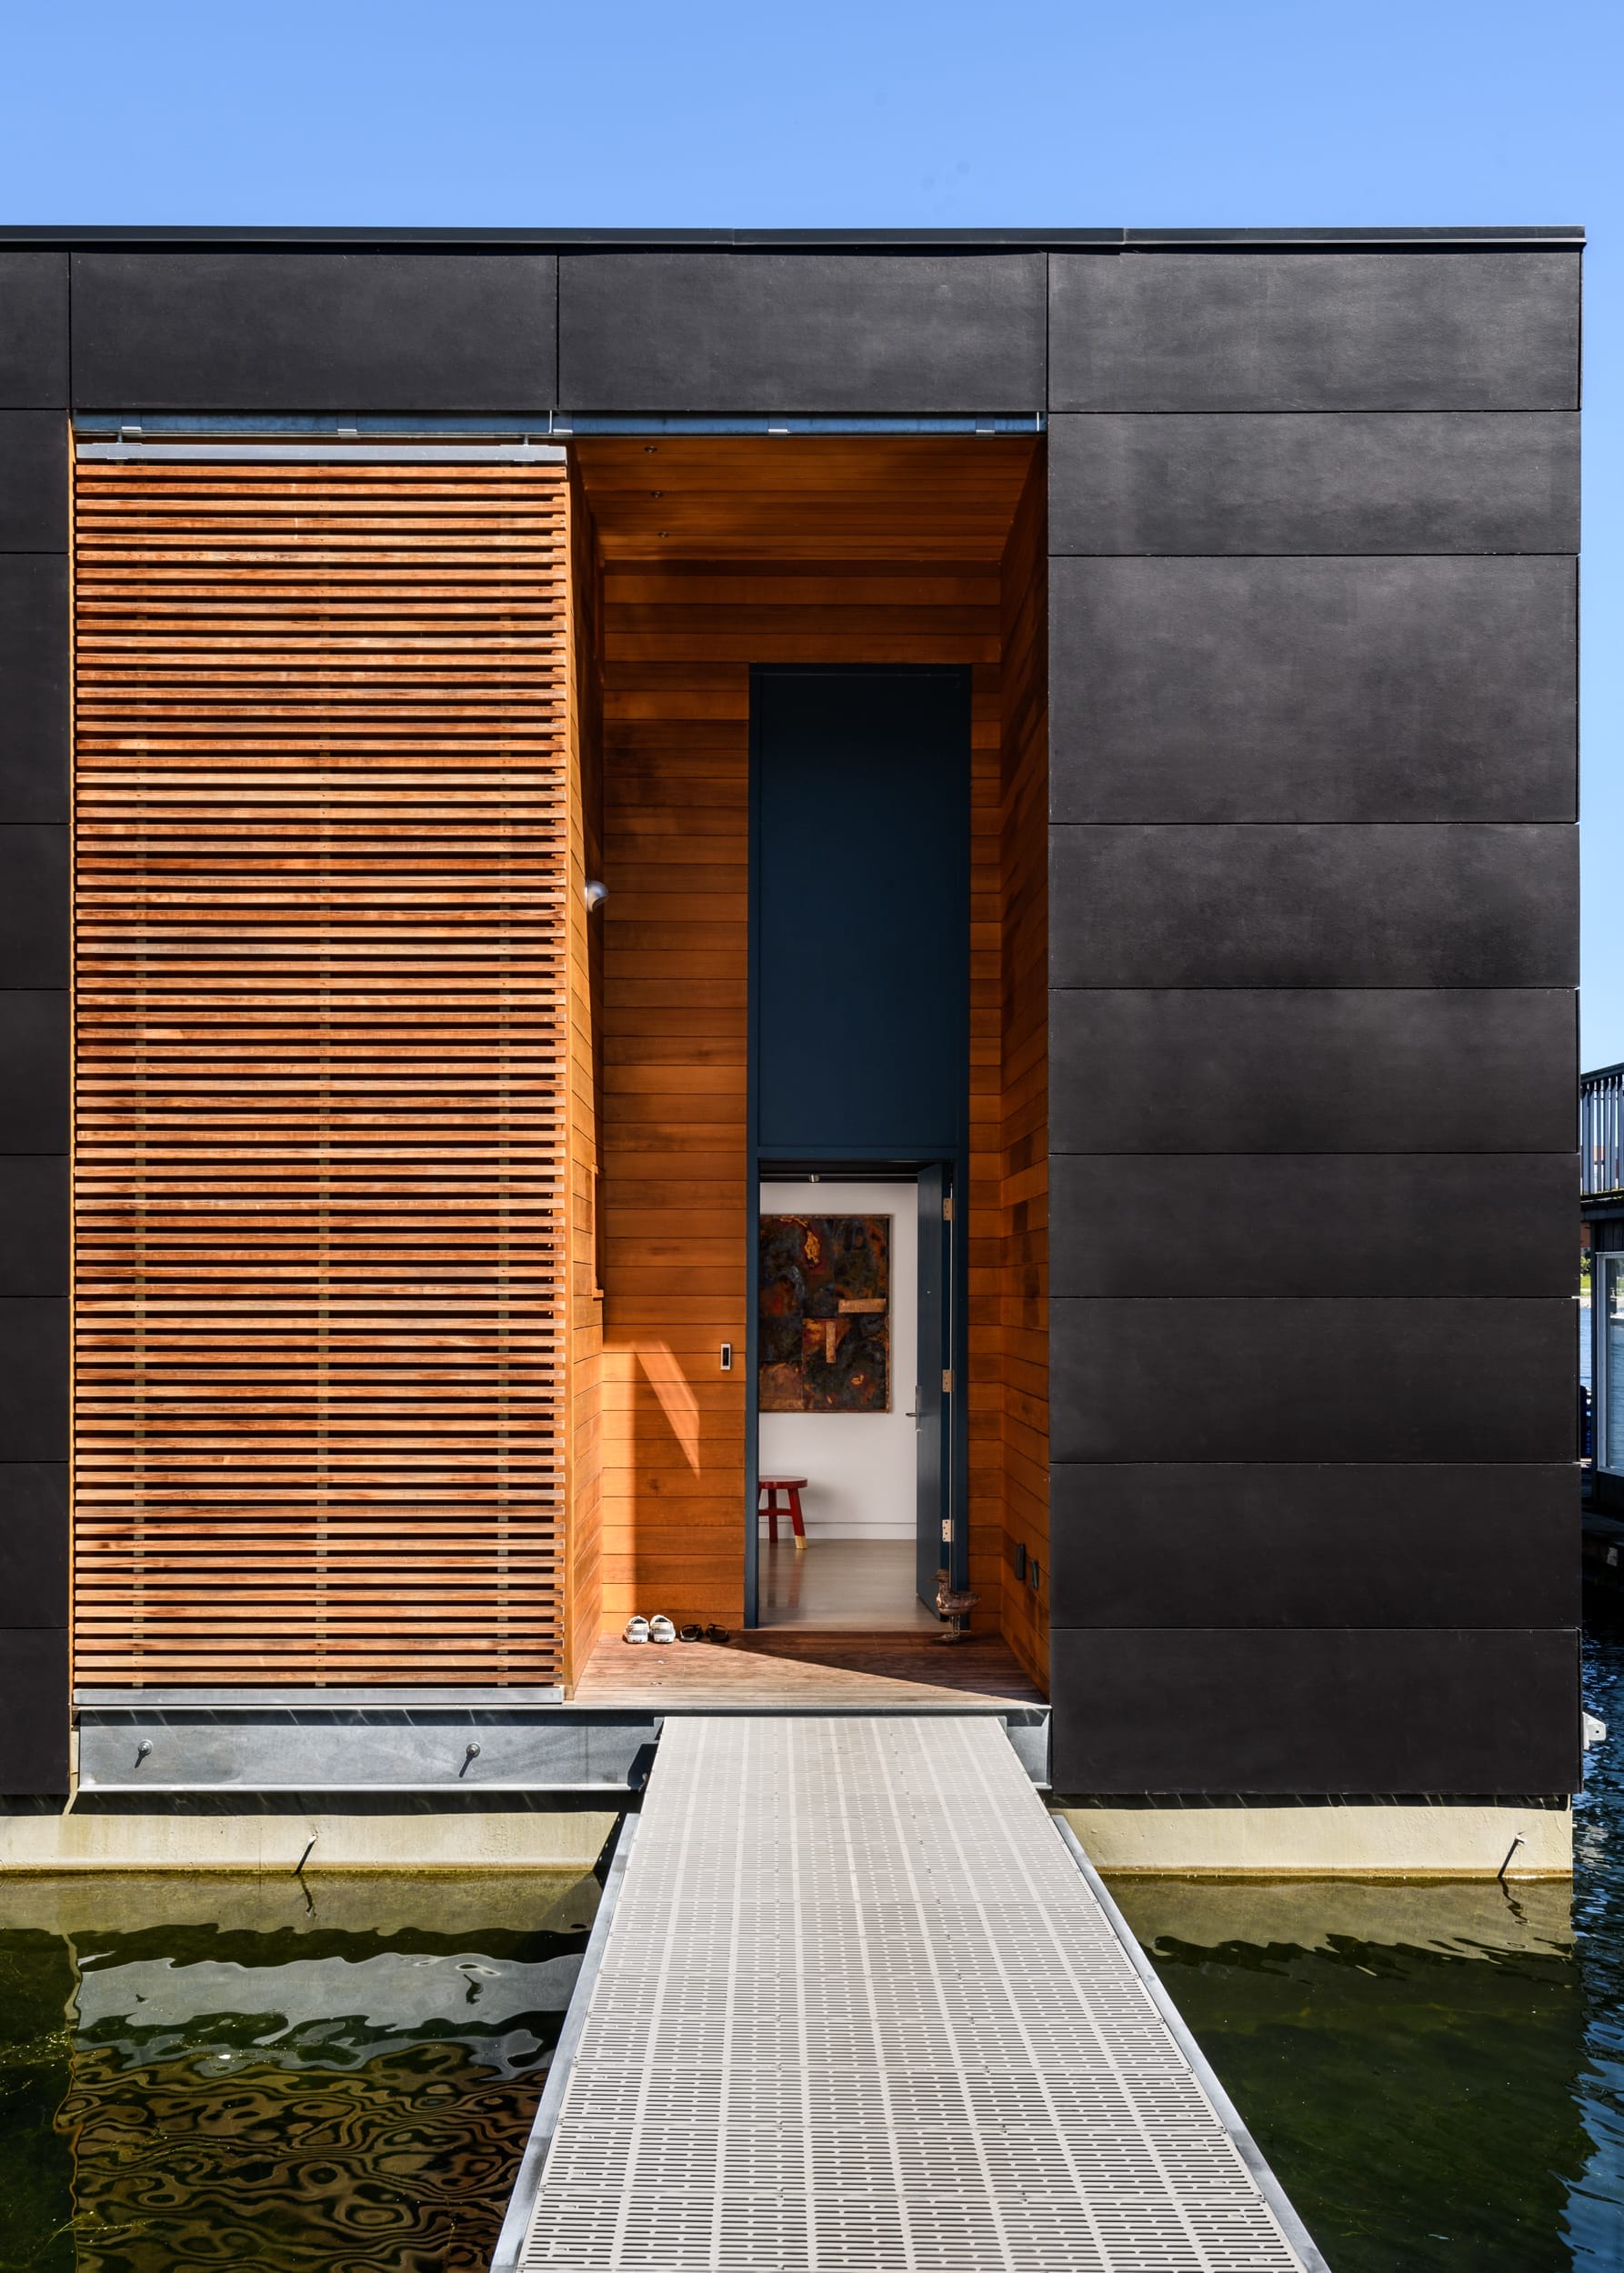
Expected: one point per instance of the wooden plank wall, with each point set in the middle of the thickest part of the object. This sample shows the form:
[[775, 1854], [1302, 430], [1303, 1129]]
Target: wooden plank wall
[[321, 846], [1021, 1266], [673, 1191], [583, 1579]]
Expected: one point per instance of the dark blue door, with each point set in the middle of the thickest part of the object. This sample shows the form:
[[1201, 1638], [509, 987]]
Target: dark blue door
[[862, 913]]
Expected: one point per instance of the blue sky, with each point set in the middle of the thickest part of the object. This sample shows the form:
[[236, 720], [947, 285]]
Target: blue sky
[[1188, 111]]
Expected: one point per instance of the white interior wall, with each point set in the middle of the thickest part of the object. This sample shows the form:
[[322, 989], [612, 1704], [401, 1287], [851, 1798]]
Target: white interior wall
[[861, 1469]]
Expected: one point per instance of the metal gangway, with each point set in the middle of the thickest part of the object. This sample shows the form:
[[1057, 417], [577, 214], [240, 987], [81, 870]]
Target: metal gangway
[[855, 2001]]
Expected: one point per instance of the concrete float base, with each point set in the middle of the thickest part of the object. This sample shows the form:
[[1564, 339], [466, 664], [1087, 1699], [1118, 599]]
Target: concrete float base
[[70, 1838], [1379, 1839]]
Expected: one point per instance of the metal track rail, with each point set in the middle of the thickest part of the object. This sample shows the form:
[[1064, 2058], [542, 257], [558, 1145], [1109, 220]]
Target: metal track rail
[[859, 2009]]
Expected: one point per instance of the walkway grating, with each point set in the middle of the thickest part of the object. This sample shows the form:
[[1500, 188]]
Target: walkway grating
[[859, 2009]]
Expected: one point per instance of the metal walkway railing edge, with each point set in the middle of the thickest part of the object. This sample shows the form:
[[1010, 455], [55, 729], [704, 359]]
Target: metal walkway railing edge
[[521, 2206], [1223, 2108]]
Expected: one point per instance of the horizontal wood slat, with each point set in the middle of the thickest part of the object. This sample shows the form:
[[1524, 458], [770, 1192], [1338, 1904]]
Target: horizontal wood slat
[[322, 853]]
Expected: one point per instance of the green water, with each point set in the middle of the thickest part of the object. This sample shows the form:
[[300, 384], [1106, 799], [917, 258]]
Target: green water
[[1435, 2073], [234, 2074]]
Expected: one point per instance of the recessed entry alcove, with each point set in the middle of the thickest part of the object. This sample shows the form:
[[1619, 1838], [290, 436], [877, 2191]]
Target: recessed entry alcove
[[822, 795]]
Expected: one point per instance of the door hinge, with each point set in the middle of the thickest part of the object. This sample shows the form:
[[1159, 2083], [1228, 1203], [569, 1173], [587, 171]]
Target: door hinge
[[948, 1207], [947, 1380], [946, 1531]]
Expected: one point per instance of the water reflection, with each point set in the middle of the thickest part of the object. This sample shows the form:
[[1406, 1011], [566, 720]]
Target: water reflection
[[197, 2075], [1436, 2071]]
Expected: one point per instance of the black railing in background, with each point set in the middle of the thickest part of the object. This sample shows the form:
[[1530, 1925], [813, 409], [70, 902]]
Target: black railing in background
[[1601, 1130]]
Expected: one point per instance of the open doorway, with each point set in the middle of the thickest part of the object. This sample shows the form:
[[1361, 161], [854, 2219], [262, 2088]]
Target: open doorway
[[841, 1427]]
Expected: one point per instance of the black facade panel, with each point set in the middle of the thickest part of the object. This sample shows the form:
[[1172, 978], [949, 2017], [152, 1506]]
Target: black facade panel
[[33, 1380], [1271, 1223], [33, 1225], [1362, 1710], [34, 1712], [32, 481], [1316, 1710], [33, 1543], [34, 688], [1290, 1544], [34, 910], [314, 331], [1313, 690], [33, 1069], [1343, 482], [32, 330], [1314, 331], [1410, 1069], [801, 332], [1314, 907], [1167, 1379]]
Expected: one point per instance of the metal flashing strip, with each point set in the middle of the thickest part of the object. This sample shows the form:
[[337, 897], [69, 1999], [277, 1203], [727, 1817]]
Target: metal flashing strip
[[1535, 237], [203, 433], [283, 1702], [859, 2010], [521, 2204], [195, 450], [589, 423], [619, 1795]]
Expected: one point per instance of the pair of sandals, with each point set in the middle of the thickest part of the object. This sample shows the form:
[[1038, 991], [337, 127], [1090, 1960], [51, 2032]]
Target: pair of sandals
[[659, 1629]]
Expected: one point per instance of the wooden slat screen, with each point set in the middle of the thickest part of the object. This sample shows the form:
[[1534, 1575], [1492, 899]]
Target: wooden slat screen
[[321, 859]]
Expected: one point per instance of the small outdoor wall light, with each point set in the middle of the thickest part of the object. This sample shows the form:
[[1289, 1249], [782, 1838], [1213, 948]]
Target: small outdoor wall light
[[594, 895]]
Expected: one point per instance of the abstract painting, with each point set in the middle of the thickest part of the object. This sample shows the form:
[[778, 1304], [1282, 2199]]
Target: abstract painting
[[825, 1306]]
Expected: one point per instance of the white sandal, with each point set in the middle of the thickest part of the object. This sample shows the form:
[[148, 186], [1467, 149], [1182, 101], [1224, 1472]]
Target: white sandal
[[660, 1628], [636, 1631]]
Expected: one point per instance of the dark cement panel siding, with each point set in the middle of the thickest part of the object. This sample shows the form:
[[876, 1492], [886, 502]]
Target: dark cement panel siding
[[32, 1545], [32, 481], [1314, 690], [1370, 1709], [33, 905], [33, 1069], [33, 1379], [1379, 482], [1274, 331], [32, 330], [1324, 1070], [34, 689], [34, 1217], [34, 1712], [804, 332], [1314, 907], [34, 1022], [435, 331], [1426, 1224], [1238, 1378], [1313, 939], [1283, 1544]]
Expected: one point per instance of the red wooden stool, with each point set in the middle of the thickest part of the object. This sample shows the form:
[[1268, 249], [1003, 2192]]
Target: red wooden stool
[[766, 1502]]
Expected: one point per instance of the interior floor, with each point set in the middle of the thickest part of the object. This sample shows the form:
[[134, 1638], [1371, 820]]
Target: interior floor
[[865, 1584]]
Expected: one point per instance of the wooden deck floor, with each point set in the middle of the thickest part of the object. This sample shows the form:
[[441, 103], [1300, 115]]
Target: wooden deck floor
[[802, 1669]]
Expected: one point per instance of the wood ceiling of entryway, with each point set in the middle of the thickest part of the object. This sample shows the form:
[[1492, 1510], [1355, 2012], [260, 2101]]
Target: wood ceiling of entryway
[[805, 496]]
